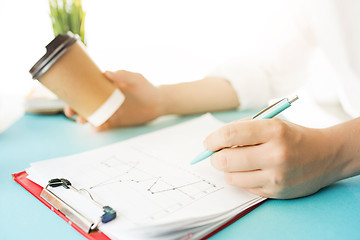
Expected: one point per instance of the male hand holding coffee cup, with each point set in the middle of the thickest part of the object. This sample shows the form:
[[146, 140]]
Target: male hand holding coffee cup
[[142, 101], [145, 102], [122, 98]]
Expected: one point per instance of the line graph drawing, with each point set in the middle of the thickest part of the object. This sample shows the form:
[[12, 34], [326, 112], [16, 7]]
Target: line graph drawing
[[133, 166], [167, 188]]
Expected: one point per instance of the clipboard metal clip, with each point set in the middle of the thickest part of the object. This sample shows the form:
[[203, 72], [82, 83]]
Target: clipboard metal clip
[[79, 219]]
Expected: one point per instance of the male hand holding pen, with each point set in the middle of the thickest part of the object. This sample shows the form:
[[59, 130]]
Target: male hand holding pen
[[266, 156]]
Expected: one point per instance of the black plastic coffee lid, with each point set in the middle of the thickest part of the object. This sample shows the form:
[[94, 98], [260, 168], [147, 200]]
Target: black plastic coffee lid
[[54, 50]]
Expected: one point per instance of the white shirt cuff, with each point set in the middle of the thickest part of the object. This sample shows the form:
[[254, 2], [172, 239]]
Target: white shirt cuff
[[248, 80]]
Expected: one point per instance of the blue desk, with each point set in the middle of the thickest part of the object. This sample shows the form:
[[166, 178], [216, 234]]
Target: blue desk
[[332, 213]]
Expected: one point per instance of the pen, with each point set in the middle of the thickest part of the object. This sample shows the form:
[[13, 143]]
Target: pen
[[268, 112]]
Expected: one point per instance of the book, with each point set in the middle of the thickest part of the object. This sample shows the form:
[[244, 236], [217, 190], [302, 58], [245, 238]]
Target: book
[[149, 182], [40, 100]]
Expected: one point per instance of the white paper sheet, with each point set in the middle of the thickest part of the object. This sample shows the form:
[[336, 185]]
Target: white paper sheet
[[149, 181]]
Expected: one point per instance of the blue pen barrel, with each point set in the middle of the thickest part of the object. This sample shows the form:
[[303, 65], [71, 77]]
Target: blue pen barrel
[[269, 112], [273, 110]]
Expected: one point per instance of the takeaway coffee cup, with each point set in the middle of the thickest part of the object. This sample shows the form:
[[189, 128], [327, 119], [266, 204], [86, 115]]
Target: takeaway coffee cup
[[68, 71]]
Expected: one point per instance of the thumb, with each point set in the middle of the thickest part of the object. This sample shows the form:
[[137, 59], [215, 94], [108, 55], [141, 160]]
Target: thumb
[[118, 79], [121, 77], [111, 76]]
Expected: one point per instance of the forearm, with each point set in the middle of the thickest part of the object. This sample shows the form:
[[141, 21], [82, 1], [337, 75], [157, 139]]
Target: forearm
[[206, 95]]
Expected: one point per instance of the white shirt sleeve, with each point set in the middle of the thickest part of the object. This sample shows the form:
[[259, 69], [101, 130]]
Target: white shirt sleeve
[[336, 28], [279, 73], [332, 26]]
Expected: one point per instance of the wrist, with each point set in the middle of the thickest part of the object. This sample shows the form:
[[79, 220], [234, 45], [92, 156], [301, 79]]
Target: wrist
[[166, 99], [330, 152], [343, 164], [345, 138]]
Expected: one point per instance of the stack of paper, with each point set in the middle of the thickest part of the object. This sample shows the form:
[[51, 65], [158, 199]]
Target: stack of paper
[[40, 100], [150, 183]]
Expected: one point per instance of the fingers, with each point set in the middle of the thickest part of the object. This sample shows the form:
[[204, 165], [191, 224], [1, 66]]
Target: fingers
[[242, 133], [251, 179], [103, 127], [81, 120], [69, 112], [241, 159], [258, 191], [242, 166]]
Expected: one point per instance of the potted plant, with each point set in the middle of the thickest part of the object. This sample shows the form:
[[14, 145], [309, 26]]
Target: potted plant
[[68, 15]]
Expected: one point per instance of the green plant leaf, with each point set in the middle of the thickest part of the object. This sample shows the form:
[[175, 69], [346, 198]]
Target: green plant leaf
[[67, 15]]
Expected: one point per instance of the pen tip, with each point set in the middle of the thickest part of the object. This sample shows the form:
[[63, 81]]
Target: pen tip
[[205, 154], [195, 160]]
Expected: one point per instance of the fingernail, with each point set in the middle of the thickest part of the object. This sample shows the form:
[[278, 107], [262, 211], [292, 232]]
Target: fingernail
[[80, 120], [66, 112], [108, 73]]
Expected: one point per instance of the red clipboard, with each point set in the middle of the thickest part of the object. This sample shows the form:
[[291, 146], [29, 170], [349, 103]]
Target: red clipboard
[[36, 189]]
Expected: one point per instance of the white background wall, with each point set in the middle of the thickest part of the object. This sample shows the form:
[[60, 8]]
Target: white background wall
[[167, 41]]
